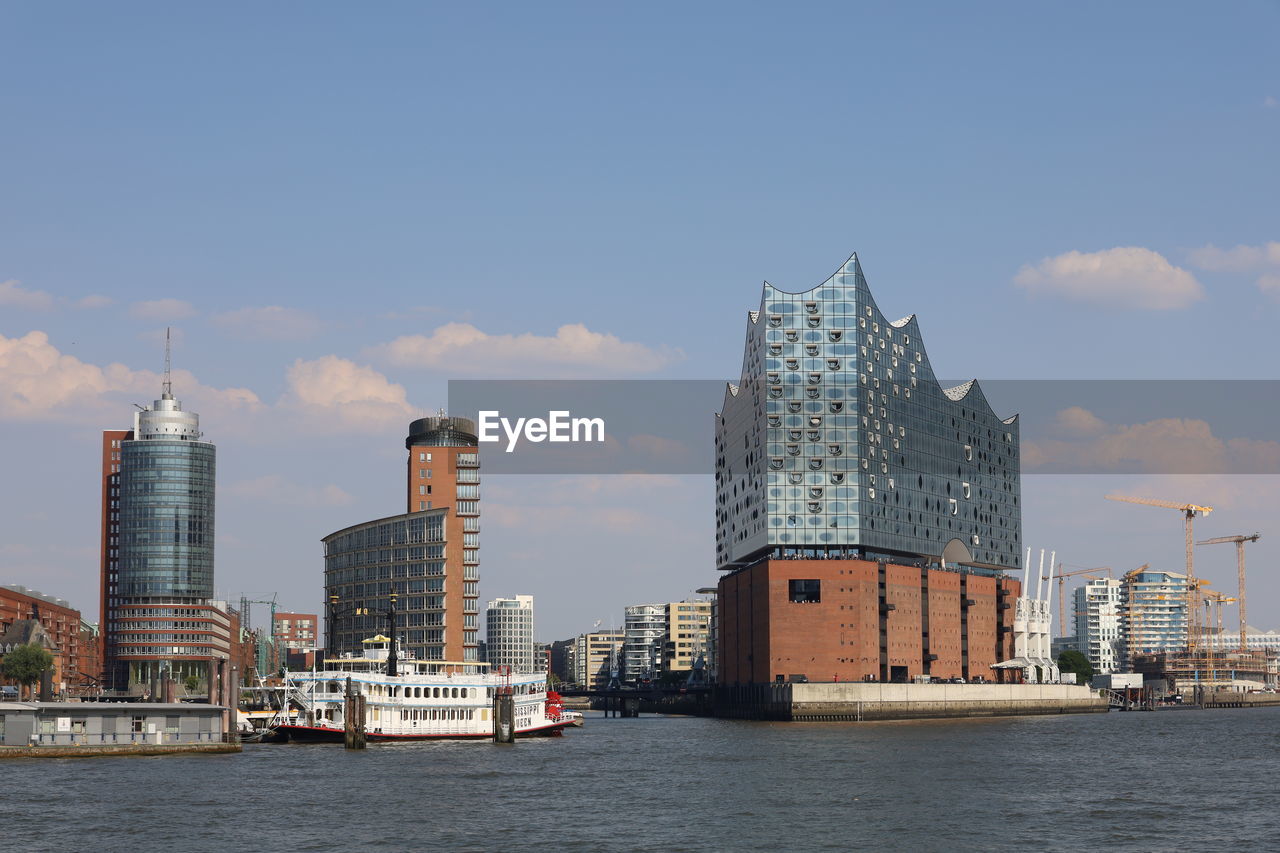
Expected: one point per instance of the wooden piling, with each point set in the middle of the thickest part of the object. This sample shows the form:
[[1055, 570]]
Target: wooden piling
[[504, 718], [353, 709]]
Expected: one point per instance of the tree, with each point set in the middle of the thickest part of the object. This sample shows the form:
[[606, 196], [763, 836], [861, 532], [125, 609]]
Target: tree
[[192, 683], [1070, 660], [26, 663]]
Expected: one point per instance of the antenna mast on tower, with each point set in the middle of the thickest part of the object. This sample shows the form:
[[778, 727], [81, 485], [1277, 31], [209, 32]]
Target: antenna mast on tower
[[168, 379]]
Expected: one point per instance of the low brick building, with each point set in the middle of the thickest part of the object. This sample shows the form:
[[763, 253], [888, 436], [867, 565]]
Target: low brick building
[[59, 621], [862, 620]]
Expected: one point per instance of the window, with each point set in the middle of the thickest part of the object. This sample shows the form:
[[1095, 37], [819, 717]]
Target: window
[[139, 724], [805, 591]]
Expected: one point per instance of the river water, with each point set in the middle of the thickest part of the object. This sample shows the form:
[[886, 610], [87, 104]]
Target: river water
[[1168, 780]]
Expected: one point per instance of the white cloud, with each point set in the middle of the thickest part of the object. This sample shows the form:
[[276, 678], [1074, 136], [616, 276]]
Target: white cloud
[[1160, 446], [162, 309], [16, 296], [38, 382], [275, 489], [1264, 258], [1079, 421], [93, 300], [336, 392], [272, 322], [1240, 259], [573, 350], [1123, 277]]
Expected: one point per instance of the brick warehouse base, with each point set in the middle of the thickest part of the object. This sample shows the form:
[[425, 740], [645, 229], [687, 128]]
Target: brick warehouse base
[[854, 620], [868, 702]]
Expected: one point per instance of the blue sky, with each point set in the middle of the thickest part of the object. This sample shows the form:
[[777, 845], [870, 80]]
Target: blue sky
[[338, 209]]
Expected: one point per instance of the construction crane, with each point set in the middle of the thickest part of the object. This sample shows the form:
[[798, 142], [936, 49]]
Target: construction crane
[[1188, 515], [1239, 540], [266, 658], [1217, 649], [1062, 580]]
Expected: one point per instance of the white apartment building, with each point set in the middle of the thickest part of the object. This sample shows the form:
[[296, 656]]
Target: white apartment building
[[1099, 634], [509, 634]]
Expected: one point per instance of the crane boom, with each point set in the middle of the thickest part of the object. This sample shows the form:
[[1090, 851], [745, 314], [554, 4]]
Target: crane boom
[[1188, 511], [1239, 543], [1203, 510]]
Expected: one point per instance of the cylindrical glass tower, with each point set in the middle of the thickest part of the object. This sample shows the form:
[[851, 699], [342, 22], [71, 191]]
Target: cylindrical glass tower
[[165, 625]]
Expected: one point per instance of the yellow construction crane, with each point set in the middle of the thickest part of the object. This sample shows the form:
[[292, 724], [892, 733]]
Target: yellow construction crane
[[1062, 576], [1218, 648], [1239, 540], [1188, 515]]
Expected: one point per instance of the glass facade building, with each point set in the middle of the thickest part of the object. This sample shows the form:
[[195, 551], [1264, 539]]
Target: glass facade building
[[366, 563], [158, 554], [839, 441], [1153, 613], [166, 518]]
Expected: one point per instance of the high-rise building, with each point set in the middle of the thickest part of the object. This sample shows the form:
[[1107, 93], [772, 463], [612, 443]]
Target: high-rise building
[[509, 634], [1099, 635], [865, 514], [644, 628], [428, 557], [1153, 613], [157, 552]]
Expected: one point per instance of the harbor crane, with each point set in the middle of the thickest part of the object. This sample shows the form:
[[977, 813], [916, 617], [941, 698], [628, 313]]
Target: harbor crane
[[1189, 512], [1092, 574], [1239, 542]]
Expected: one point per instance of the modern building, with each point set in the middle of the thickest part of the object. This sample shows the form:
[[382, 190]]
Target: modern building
[[644, 630], [1099, 632], [1255, 639], [509, 634], [1153, 613], [26, 616], [865, 515], [687, 642], [295, 631], [595, 658], [560, 659], [158, 622], [429, 558]]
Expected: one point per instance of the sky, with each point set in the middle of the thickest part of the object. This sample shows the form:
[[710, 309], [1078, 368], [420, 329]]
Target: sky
[[337, 209]]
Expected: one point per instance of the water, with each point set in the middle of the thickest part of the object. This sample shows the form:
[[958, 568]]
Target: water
[[1169, 780]]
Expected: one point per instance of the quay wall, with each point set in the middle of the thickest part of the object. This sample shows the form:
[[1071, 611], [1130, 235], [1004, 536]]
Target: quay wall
[[99, 751], [1236, 699], [863, 702]]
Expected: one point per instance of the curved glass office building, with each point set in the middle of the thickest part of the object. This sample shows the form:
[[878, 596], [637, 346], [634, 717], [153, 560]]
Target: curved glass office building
[[166, 518], [161, 622]]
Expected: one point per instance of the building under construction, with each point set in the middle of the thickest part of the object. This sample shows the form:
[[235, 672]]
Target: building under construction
[[1207, 668]]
